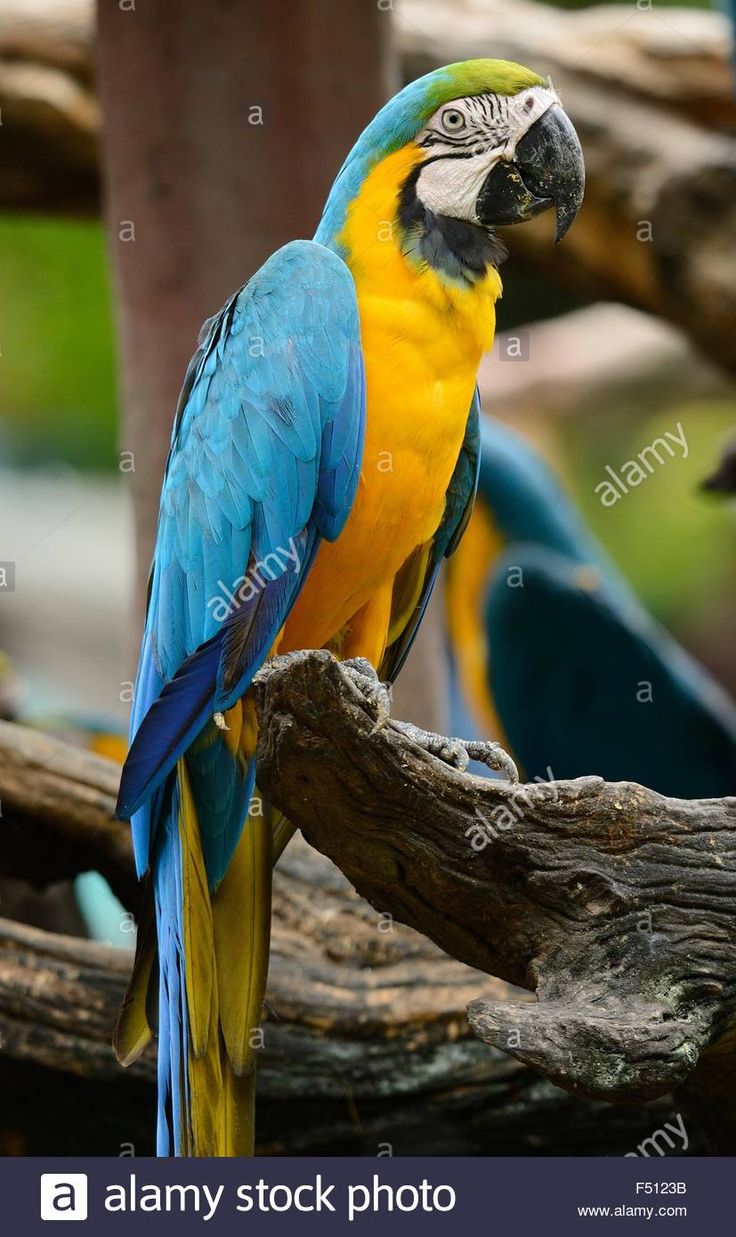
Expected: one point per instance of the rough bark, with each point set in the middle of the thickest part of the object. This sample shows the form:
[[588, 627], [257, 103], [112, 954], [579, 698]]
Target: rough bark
[[614, 904], [366, 1047], [365, 1039], [49, 111], [57, 805], [602, 360], [362, 1014]]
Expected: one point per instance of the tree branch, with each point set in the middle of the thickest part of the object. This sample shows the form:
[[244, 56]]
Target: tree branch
[[366, 1049], [56, 813], [617, 906], [613, 904]]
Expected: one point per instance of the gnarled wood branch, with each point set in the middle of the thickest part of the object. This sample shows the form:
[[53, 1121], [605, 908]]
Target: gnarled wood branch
[[365, 1040], [616, 905], [366, 1050], [57, 804]]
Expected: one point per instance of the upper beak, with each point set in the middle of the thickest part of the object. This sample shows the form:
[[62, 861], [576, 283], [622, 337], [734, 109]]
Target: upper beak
[[547, 170]]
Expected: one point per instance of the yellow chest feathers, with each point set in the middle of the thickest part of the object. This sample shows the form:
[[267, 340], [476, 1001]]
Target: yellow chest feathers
[[423, 334], [400, 298]]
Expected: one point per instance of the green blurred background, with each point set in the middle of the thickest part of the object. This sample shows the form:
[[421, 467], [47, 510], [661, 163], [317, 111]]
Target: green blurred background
[[57, 397]]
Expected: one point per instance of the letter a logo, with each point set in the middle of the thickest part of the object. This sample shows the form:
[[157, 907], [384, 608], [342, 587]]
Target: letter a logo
[[63, 1196]]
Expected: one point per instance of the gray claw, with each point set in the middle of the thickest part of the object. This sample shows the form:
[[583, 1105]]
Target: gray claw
[[494, 756], [454, 752], [450, 751], [459, 752], [360, 671]]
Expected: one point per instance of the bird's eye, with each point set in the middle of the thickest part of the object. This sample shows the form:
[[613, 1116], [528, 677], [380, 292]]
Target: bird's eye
[[453, 120]]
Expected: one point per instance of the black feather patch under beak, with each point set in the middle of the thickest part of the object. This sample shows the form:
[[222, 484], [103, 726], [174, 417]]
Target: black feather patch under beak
[[547, 170]]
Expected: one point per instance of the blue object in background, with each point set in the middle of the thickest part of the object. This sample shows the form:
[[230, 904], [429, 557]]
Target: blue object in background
[[552, 644], [104, 916]]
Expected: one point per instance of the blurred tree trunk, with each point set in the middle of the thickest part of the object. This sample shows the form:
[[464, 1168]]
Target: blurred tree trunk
[[225, 125]]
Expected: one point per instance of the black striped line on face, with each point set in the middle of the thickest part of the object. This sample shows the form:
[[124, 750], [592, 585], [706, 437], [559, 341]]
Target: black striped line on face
[[490, 124]]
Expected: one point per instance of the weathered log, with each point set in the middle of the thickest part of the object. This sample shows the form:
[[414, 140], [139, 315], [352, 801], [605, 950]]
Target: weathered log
[[57, 805], [57, 821], [366, 1046], [557, 880], [603, 359], [678, 58], [58, 33], [51, 117], [339, 970], [360, 1011], [613, 903]]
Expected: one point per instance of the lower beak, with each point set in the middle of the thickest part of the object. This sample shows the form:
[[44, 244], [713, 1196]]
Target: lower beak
[[547, 170]]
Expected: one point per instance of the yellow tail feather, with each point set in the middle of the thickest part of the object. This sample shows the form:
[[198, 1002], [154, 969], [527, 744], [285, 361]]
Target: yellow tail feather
[[242, 922], [226, 947], [226, 950], [199, 942], [133, 1031]]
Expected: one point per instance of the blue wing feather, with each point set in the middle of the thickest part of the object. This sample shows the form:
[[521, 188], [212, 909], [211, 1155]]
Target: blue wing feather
[[265, 459]]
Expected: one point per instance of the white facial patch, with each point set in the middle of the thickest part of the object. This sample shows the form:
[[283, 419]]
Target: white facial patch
[[466, 138]]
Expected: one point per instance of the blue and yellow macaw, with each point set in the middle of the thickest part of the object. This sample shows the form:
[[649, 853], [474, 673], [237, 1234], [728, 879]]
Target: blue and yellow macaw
[[553, 653], [323, 463]]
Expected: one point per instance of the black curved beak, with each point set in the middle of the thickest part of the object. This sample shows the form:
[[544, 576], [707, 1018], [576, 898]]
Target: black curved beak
[[547, 170]]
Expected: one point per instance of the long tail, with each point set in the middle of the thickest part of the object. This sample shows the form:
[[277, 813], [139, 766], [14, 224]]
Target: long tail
[[204, 993]]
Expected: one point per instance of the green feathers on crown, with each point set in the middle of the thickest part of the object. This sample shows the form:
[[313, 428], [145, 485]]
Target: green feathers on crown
[[471, 77]]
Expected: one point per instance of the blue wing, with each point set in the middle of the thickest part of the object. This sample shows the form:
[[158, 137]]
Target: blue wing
[[585, 681], [264, 462]]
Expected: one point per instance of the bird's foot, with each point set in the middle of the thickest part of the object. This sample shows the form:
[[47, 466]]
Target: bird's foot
[[455, 752], [493, 756], [459, 752], [377, 694]]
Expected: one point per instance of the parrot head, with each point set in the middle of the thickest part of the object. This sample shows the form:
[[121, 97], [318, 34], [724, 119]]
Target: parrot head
[[504, 154], [489, 144]]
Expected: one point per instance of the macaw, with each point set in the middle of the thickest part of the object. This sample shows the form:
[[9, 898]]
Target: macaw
[[552, 652], [323, 462]]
